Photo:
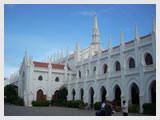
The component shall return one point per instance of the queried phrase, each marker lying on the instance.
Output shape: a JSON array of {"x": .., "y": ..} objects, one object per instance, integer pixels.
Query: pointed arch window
[
  {"x": 79, "y": 74},
  {"x": 94, "y": 70},
  {"x": 131, "y": 63},
  {"x": 57, "y": 79},
  {"x": 104, "y": 68},
  {"x": 40, "y": 78},
  {"x": 87, "y": 72},
  {"x": 118, "y": 67},
  {"x": 148, "y": 59}
]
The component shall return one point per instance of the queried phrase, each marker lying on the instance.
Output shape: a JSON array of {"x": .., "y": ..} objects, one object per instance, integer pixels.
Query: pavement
[{"x": 14, "y": 110}]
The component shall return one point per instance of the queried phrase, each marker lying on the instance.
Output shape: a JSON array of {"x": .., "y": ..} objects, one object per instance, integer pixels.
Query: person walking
[
  {"x": 125, "y": 108},
  {"x": 103, "y": 108}
]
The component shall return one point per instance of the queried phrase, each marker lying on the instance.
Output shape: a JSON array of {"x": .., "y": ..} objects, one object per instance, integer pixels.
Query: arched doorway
[
  {"x": 153, "y": 92},
  {"x": 73, "y": 94},
  {"x": 134, "y": 94},
  {"x": 81, "y": 94},
  {"x": 91, "y": 97},
  {"x": 118, "y": 94},
  {"x": 103, "y": 93},
  {"x": 55, "y": 96},
  {"x": 39, "y": 95}
]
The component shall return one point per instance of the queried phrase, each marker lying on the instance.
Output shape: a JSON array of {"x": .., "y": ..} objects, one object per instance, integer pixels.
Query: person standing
[{"x": 125, "y": 108}]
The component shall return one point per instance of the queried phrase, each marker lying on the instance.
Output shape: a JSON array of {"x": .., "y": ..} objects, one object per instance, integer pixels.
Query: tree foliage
[
  {"x": 10, "y": 93},
  {"x": 62, "y": 93}
]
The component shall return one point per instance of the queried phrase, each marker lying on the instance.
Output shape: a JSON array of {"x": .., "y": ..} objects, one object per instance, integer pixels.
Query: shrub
[
  {"x": 115, "y": 102},
  {"x": 118, "y": 108},
  {"x": 57, "y": 103},
  {"x": 40, "y": 103},
  {"x": 76, "y": 103},
  {"x": 132, "y": 108},
  {"x": 97, "y": 105},
  {"x": 19, "y": 101},
  {"x": 149, "y": 108},
  {"x": 69, "y": 103}
]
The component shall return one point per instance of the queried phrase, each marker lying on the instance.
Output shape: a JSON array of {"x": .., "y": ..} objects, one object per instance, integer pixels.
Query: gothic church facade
[{"x": 125, "y": 72}]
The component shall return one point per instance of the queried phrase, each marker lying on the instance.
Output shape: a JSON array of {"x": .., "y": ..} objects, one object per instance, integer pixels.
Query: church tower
[{"x": 95, "y": 36}]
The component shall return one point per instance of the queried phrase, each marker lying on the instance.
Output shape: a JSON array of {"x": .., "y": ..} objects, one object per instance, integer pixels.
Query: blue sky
[{"x": 45, "y": 29}]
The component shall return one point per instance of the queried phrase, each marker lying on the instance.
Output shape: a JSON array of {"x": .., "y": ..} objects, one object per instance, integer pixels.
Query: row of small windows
[
  {"x": 41, "y": 78},
  {"x": 148, "y": 61}
]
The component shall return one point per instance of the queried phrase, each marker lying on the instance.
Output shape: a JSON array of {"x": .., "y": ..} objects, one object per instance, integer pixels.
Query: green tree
[
  {"x": 10, "y": 93},
  {"x": 62, "y": 93}
]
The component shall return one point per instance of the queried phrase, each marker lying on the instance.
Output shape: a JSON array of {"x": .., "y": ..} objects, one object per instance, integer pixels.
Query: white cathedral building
[{"x": 125, "y": 72}]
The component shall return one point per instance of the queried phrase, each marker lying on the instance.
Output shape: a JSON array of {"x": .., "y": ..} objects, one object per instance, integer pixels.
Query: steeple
[
  {"x": 26, "y": 52},
  {"x": 95, "y": 35},
  {"x": 136, "y": 32},
  {"x": 25, "y": 57},
  {"x": 153, "y": 25}
]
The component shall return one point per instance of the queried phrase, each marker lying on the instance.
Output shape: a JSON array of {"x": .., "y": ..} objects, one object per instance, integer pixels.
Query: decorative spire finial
[
  {"x": 122, "y": 39},
  {"x": 95, "y": 35},
  {"x": 61, "y": 54},
  {"x": 136, "y": 32},
  {"x": 25, "y": 51},
  {"x": 109, "y": 44},
  {"x": 58, "y": 56},
  {"x": 68, "y": 52},
  {"x": 54, "y": 59},
  {"x": 153, "y": 25}
]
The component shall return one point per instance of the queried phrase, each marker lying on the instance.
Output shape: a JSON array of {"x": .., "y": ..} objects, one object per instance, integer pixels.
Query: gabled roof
[{"x": 45, "y": 65}]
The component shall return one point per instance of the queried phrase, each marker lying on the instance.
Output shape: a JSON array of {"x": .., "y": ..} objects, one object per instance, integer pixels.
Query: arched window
[
  {"x": 79, "y": 74},
  {"x": 148, "y": 59},
  {"x": 131, "y": 63},
  {"x": 94, "y": 70},
  {"x": 40, "y": 78},
  {"x": 57, "y": 79},
  {"x": 118, "y": 67},
  {"x": 104, "y": 68}
]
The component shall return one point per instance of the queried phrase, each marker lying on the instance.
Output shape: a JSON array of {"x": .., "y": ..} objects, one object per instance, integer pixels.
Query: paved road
[{"x": 13, "y": 110}]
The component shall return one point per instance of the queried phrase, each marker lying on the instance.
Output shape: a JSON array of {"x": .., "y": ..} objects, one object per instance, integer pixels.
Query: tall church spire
[{"x": 95, "y": 35}]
